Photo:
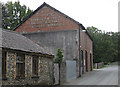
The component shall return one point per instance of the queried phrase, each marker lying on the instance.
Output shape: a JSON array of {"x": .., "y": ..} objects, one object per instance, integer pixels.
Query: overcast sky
[{"x": 102, "y": 14}]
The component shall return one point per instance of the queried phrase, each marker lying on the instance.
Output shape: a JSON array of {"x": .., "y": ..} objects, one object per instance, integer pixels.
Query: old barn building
[
  {"x": 54, "y": 29},
  {"x": 24, "y": 62}
]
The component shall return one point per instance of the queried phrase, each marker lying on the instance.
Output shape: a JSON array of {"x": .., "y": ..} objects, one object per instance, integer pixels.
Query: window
[
  {"x": 3, "y": 65},
  {"x": 20, "y": 66},
  {"x": 35, "y": 66},
  {"x": 82, "y": 64},
  {"x": 90, "y": 62},
  {"x": 86, "y": 61}
]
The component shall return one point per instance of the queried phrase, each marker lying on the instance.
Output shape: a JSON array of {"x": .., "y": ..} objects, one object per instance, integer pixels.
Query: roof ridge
[
  {"x": 10, "y": 31},
  {"x": 79, "y": 24},
  {"x": 39, "y": 9}
]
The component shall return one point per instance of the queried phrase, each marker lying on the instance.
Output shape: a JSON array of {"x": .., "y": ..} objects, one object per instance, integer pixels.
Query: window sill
[
  {"x": 18, "y": 77},
  {"x": 35, "y": 76},
  {"x": 4, "y": 78}
]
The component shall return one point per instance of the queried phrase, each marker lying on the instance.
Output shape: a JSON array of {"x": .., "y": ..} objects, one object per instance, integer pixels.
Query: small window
[
  {"x": 20, "y": 66},
  {"x": 35, "y": 66},
  {"x": 86, "y": 59},
  {"x": 90, "y": 62},
  {"x": 82, "y": 65},
  {"x": 4, "y": 65}
]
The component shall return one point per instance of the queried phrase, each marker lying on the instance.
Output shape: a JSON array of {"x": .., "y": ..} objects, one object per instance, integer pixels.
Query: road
[{"x": 104, "y": 76}]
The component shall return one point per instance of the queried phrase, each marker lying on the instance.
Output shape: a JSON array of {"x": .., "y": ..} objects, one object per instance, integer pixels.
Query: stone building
[
  {"x": 54, "y": 29},
  {"x": 24, "y": 62}
]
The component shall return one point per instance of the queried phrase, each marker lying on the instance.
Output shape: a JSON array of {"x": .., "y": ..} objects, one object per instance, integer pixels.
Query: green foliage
[
  {"x": 119, "y": 46},
  {"x": 105, "y": 45},
  {"x": 13, "y": 14},
  {"x": 59, "y": 57}
]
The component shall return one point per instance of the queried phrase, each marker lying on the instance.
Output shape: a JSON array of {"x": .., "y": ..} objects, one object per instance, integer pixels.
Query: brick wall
[
  {"x": 86, "y": 45},
  {"x": 46, "y": 19}
]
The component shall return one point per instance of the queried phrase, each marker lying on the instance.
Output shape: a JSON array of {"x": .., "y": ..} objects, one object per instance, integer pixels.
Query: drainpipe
[{"x": 79, "y": 52}]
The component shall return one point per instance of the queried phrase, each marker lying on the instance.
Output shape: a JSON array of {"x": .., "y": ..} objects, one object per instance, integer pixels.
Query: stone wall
[
  {"x": 45, "y": 71},
  {"x": 11, "y": 60},
  {"x": 98, "y": 65},
  {"x": 56, "y": 73}
]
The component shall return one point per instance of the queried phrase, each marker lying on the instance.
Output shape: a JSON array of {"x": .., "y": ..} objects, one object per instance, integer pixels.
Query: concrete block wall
[{"x": 67, "y": 40}]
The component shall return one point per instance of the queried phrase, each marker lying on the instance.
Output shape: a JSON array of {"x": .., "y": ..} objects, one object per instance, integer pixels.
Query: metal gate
[{"x": 70, "y": 70}]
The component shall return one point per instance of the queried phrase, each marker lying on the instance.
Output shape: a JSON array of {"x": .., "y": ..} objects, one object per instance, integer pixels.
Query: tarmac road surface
[{"x": 104, "y": 76}]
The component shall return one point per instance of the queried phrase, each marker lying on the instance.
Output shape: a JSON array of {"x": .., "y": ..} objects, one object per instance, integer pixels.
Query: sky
[{"x": 102, "y": 14}]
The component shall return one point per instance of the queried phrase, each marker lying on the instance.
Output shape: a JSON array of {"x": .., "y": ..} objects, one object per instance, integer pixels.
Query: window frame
[
  {"x": 35, "y": 64},
  {"x": 20, "y": 66},
  {"x": 86, "y": 61},
  {"x": 4, "y": 68}
]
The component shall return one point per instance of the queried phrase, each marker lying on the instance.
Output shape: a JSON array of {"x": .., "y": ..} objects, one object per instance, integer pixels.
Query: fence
[{"x": 98, "y": 65}]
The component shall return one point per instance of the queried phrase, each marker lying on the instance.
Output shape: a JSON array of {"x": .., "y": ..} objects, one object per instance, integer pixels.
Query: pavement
[{"x": 103, "y": 76}]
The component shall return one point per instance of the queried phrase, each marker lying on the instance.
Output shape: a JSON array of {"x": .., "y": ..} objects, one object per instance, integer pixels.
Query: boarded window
[
  {"x": 82, "y": 64},
  {"x": 90, "y": 62},
  {"x": 20, "y": 66},
  {"x": 4, "y": 65},
  {"x": 35, "y": 66},
  {"x": 86, "y": 61}
]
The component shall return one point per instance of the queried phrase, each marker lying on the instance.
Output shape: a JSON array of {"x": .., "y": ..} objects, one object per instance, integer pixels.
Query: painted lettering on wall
[{"x": 46, "y": 18}]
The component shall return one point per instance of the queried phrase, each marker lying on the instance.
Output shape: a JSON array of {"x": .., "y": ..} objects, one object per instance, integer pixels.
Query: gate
[{"x": 70, "y": 70}]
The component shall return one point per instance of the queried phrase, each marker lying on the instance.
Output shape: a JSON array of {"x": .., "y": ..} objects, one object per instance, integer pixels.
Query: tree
[
  {"x": 58, "y": 59},
  {"x": 13, "y": 14},
  {"x": 0, "y": 15},
  {"x": 105, "y": 45},
  {"x": 118, "y": 47}
]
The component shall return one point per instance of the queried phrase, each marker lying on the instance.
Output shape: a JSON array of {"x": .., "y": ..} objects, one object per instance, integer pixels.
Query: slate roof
[
  {"x": 45, "y": 4},
  {"x": 15, "y": 41}
]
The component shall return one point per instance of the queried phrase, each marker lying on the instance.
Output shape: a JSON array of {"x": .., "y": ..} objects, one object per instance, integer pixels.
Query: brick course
[{"x": 46, "y": 19}]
